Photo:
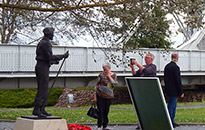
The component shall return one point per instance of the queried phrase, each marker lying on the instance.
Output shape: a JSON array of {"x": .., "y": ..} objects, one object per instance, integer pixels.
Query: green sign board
[{"x": 148, "y": 100}]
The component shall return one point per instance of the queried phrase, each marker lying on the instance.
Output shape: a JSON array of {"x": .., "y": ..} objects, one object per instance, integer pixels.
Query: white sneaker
[{"x": 98, "y": 129}]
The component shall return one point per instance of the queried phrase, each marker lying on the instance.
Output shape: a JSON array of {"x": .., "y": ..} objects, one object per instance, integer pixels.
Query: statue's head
[{"x": 48, "y": 32}]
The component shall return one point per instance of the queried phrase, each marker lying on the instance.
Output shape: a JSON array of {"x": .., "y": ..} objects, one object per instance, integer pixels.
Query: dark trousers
[
  {"x": 172, "y": 104},
  {"x": 103, "y": 105},
  {"x": 42, "y": 77}
]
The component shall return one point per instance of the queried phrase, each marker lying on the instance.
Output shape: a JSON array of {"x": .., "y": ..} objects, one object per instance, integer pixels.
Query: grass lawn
[
  {"x": 78, "y": 115},
  {"x": 178, "y": 104},
  {"x": 193, "y": 115},
  {"x": 75, "y": 115}
]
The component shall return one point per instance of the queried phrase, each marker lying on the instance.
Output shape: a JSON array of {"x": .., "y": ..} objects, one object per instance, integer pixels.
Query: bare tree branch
[{"x": 66, "y": 8}]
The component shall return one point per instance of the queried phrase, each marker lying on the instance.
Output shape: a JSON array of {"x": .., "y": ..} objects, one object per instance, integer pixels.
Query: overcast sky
[{"x": 87, "y": 41}]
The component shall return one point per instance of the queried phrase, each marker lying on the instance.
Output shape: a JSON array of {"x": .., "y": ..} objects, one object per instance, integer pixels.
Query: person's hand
[
  {"x": 95, "y": 98},
  {"x": 134, "y": 62},
  {"x": 66, "y": 54},
  {"x": 182, "y": 95},
  {"x": 108, "y": 74},
  {"x": 131, "y": 65}
]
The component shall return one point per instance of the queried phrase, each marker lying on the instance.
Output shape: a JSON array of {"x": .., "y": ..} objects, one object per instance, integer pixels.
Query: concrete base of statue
[{"x": 40, "y": 124}]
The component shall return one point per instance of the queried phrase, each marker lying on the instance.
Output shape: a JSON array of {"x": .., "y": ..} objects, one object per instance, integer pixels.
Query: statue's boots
[
  {"x": 37, "y": 112},
  {"x": 42, "y": 109}
]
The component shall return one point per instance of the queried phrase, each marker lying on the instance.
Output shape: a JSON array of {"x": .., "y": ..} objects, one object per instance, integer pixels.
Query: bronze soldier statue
[{"x": 45, "y": 59}]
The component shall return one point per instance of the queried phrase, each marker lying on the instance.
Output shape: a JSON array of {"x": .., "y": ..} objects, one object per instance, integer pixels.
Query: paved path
[
  {"x": 190, "y": 106},
  {"x": 10, "y": 125},
  {"x": 132, "y": 127},
  {"x": 6, "y": 125}
]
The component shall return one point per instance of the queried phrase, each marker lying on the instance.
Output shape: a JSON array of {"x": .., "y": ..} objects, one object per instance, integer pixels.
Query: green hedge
[{"x": 24, "y": 98}]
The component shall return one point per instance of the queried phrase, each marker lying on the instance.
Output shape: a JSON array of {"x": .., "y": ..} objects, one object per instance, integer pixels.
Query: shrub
[
  {"x": 54, "y": 95},
  {"x": 24, "y": 98}
]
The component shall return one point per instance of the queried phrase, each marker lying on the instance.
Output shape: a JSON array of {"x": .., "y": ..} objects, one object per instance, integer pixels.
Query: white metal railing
[{"x": 21, "y": 58}]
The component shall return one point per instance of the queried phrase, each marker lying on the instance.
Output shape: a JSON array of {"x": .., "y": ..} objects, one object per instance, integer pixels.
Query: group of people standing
[
  {"x": 106, "y": 82},
  {"x": 172, "y": 79}
]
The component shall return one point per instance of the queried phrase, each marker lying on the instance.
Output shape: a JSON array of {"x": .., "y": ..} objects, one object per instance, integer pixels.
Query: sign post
[{"x": 148, "y": 99}]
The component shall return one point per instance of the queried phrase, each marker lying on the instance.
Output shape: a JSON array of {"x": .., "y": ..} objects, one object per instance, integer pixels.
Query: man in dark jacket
[
  {"x": 173, "y": 88},
  {"x": 45, "y": 59}
]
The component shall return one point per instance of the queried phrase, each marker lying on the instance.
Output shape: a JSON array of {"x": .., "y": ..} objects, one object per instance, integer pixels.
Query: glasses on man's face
[{"x": 148, "y": 57}]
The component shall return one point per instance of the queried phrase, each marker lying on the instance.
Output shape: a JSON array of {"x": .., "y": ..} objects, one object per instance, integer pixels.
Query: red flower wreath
[{"x": 78, "y": 127}]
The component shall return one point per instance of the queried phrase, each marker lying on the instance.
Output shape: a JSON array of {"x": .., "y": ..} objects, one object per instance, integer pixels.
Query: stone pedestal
[{"x": 42, "y": 124}]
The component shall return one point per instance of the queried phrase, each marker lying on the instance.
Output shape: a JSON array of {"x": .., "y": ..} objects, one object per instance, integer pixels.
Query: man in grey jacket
[{"x": 148, "y": 70}]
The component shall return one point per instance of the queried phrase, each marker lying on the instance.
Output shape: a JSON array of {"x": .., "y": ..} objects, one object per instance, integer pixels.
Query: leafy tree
[
  {"x": 112, "y": 23},
  {"x": 151, "y": 32}
]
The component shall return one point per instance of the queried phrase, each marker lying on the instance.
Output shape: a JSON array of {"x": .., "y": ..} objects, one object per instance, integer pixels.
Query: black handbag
[{"x": 93, "y": 112}]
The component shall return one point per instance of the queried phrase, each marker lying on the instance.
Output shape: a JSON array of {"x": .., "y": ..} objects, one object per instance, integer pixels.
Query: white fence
[{"x": 15, "y": 58}]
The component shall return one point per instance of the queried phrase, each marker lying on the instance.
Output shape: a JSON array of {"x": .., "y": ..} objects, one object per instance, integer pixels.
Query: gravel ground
[{"x": 4, "y": 125}]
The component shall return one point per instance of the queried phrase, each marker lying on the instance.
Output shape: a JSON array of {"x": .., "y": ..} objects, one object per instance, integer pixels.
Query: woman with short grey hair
[
  {"x": 107, "y": 65},
  {"x": 106, "y": 82}
]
